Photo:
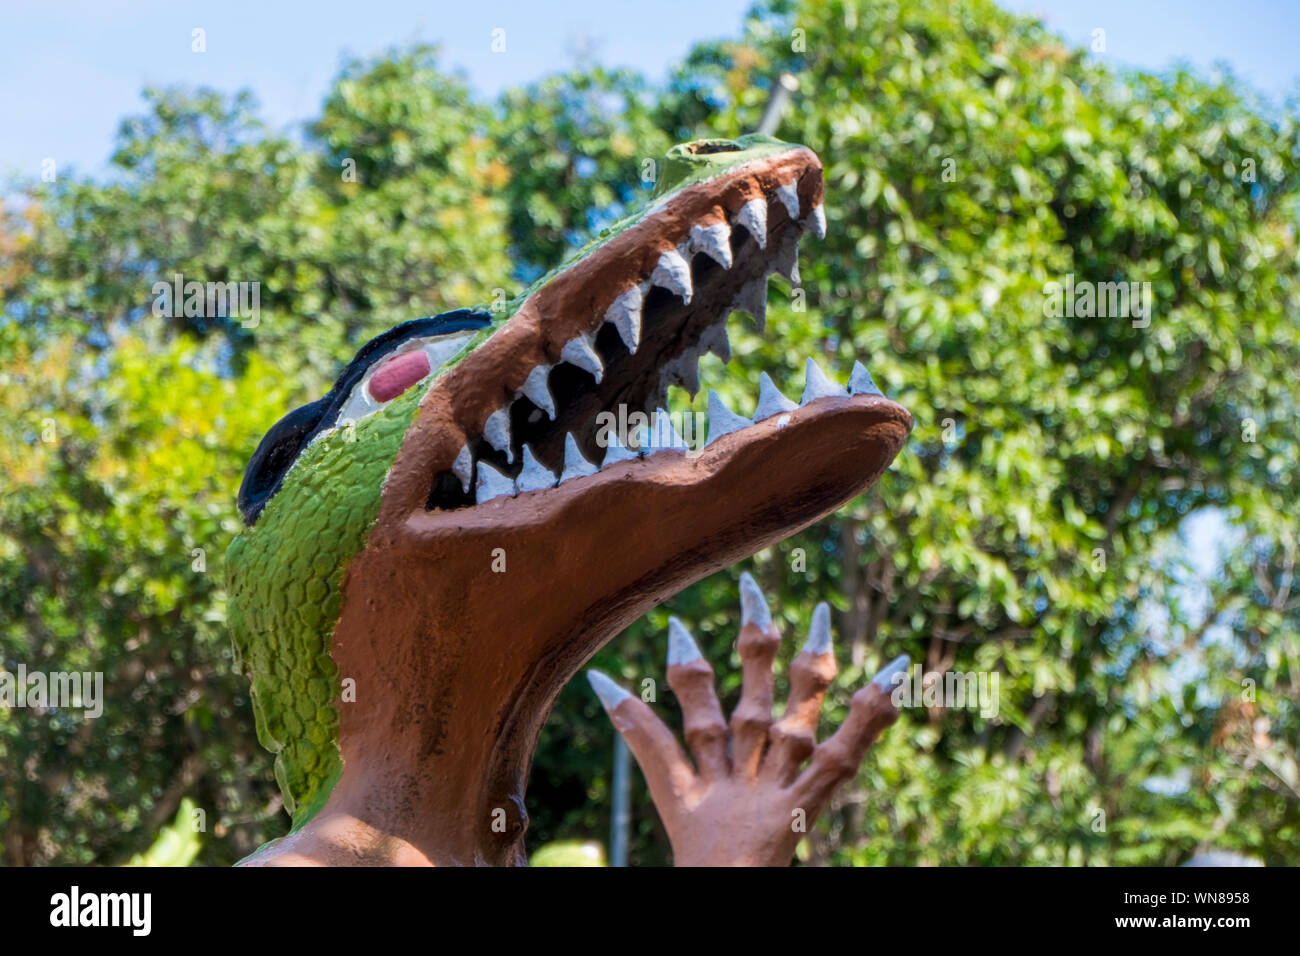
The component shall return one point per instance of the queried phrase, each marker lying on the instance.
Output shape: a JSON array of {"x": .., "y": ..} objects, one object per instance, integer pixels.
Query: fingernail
[
  {"x": 885, "y": 679},
  {"x": 682, "y": 648},
  {"x": 819, "y": 635},
  {"x": 610, "y": 694},
  {"x": 753, "y": 606}
]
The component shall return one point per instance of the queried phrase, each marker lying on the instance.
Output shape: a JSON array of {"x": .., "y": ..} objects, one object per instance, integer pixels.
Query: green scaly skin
[{"x": 285, "y": 584}]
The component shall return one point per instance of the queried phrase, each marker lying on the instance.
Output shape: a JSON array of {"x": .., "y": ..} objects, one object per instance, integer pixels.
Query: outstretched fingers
[
  {"x": 691, "y": 678},
  {"x": 757, "y": 646},
  {"x": 794, "y": 736},
  {"x": 839, "y": 757},
  {"x": 657, "y": 752}
]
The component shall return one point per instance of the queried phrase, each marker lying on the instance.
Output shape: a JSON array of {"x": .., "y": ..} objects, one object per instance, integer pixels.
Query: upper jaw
[{"x": 613, "y": 329}]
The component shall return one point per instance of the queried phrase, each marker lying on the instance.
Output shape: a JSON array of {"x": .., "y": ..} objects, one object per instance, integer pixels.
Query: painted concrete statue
[{"x": 402, "y": 677}]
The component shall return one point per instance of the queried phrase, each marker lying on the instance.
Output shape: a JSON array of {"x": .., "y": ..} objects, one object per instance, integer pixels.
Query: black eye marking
[
  {"x": 275, "y": 453},
  {"x": 286, "y": 439}
]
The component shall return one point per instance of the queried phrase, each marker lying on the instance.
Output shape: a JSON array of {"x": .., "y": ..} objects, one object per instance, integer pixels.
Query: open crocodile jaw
[{"x": 469, "y": 657}]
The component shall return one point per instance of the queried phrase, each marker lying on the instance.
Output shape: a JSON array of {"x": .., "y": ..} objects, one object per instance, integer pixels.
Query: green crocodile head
[{"x": 534, "y": 426}]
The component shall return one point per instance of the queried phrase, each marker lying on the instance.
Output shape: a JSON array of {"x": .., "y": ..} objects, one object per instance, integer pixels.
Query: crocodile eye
[
  {"x": 275, "y": 454},
  {"x": 397, "y": 375},
  {"x": 705, "y": 147},
  {"x": 390, "y": 375}
]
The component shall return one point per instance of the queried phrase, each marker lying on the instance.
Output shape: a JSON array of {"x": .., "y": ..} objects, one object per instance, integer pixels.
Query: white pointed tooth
[
  {"x": 575, "y": 466},
  {"x": 819, "y": 635},
  {"x": 817, "y": 385},
  {"x": 786, "y": 262},
  {"x": 663, "y": 434},
  {"x": 580, "y": 353},
  {"x": 684, "y": 371},
  {"x": 673, "y": 273},
  {"x": 537, "y": 391},
  {"x": 658, "y": 397},
  {"x": 753, "y": 605},
  {"x": 714, "y": 241},
  {"x": 861, "y": 382},
  {"x": 682, "y": 648},
  {"x": 463, "y": 468},
  {"x": 689, "y": 373},
  {"x": 535, "y": 476},
  {"x": 753, "y": 216},
  {"x": 715, "y": 340},
  {"x": 752, "y": 298},
  {"x": 771, "y": 400},
  {"x": 887, "y": 679},
  {"x": 625, "y": 313},
  {"x": 616, "y": 451},
  {"x": 492, "y": 484},
  {"x": 497, "y": 432},
  {"x": 608, "y": 692},
  {"x": 817, "y": 221},
  {"x": 789, "y": 196},
  {"x": 722, "y": 420}
]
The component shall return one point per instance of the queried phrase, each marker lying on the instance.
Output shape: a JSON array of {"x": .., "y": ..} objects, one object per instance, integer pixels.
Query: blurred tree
[
  {"x": 106, "y": 566},
  {"x": 581, "y": 149},
  {"x": 124, "y": 434},
  {"x": 178, "y": 843},
  {"x": 416, "y": 221}
]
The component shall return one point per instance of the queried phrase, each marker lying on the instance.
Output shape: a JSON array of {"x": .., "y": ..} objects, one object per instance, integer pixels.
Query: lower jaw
[{"x": 479, "y": 658}]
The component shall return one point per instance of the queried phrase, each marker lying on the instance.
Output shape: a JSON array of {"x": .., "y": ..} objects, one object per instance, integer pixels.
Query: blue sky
[{"x": 70, "y": 70}]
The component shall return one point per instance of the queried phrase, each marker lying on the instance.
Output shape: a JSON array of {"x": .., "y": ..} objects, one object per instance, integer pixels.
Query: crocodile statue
[{"x": 436, "y": 546}]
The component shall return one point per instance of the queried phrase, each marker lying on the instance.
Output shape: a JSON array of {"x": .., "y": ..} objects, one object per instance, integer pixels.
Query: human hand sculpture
[{"x": 749, "y": 799}]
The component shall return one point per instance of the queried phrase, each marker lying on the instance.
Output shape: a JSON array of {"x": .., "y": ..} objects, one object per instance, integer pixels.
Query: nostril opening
[{"x": 706, "y": 146}]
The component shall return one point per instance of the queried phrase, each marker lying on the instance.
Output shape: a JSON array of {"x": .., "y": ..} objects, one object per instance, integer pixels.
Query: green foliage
[
  {"x": 1035, "y": 526},
  {"x": 105, "y": 565},
  {"x": 177, "y": 845},
  {"x": 569, "y": 853},
  {"x": 575, "y": 145}
]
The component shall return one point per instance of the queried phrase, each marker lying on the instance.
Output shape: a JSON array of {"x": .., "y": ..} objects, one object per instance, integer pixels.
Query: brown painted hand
[{"x": 748, "y": 804}]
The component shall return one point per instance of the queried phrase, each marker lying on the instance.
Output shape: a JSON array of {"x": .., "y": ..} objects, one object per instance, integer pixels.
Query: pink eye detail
[{"x": 397, "y": 375}]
